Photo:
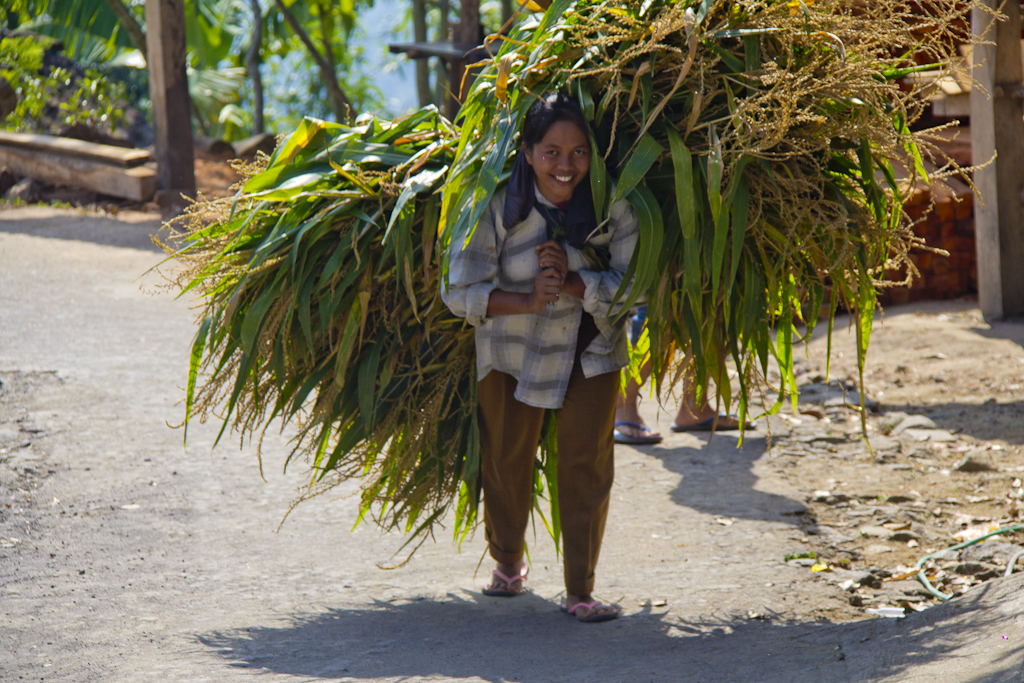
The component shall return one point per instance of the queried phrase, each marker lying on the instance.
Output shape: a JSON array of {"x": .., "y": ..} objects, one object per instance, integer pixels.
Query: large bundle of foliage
[
  {"x": 321, "y": 307},
  {"x": 755, "y": 140}
]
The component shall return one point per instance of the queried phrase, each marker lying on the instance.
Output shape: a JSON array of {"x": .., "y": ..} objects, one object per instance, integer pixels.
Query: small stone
[
  {"x": 975, "y": 461},
  {"x": 881, "y": 443},
  {"x": 905, "y": 537},
  {"x": 889, "y": 421},
  {"x": 25, "y": 190},
  {"x": 930, "y": 435},
  {"x": 913, "y": 422},
  {"x": 990, "y": 551},
  {"x": 979, "y": 570},
  {"x": 946, "y": 554},
  {"x": 857, "y": 600},
  {"x": 875, "y": 532},
  {"x": 901, "y": 498},
  {"x": 877, "y": 549}
]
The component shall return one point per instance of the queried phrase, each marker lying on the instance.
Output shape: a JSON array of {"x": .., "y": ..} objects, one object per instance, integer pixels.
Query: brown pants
[{"x": 509, "y": 436}]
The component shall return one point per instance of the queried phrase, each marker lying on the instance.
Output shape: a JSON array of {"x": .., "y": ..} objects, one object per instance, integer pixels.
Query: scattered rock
[
  {"x": 826, "y": 438},
  {"x": 877, "y": 549},
  {"x": 889, "y": 421},
  {"x": 933, "y": 435},
  {"x": 946, "y": 554},
  {"x": 904, "y": 536},
  {"x": 908, "y": 587},
  {"x": 901, "y": 498},
  {"x": 829, "y": 498},
  {"x": 875, "y": 532},
  {"x": 25, "y": 190},
  {"x": 881, "y": 443},
  {"x": 913, "y": 422},
  {"x": 976, "y": 461},
  {"x": 979, "y": 570},
  {"x": 802, "y": 562},
  {"x": 990, "y": 551}
]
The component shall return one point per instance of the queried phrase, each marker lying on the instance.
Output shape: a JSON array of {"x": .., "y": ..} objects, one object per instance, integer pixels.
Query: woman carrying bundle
[{"x": 537, "y": 279}]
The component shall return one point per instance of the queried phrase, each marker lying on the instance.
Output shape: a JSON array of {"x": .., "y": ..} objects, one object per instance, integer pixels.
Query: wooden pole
[
  {"x": 466, "y": 33},
  {"x": 168, "y": 89},
  {"x": 419, "y": 31},
  {"x": 997, "y": 130}
]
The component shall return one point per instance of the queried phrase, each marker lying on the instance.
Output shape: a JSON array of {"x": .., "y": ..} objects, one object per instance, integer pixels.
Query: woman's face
[{"x": 560, "y": 161}]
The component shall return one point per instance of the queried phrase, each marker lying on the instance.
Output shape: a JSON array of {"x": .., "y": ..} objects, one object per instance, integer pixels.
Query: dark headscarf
[{"x": 578, "y": 221}]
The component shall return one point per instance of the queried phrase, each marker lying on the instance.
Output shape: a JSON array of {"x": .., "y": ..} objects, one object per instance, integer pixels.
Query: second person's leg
[
  {"x": 586, "y": 470},
  {"x": 509, "y": 434}
]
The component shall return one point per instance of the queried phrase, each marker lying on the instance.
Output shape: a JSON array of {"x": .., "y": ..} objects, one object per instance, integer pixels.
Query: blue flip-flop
[{"x": 636, "y": 440}]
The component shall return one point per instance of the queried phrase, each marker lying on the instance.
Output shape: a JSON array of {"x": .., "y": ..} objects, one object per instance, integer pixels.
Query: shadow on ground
[
  {"x": 529, "y": 640},
  {"x": 718, "y": 479},
  {"x": 988, "y": 421},
  {"x": 80, "y": 226}
]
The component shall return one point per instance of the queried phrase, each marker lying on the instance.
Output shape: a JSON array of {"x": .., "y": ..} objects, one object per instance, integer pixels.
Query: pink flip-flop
[
  {"x": 508, "y": 591},
  {"x": 596, "y": 616}
]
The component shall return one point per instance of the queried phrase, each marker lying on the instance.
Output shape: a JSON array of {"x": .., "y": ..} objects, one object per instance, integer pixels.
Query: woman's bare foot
[
  {"x": 585, "y": 608},
  {"x": 690, "y": 417}
]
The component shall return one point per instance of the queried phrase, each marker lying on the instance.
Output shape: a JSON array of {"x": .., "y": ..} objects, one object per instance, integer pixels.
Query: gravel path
[{"x": 125, "y": 557}]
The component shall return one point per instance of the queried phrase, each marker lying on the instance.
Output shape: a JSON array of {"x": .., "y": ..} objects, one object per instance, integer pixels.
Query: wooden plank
[
  {"x": 108, "y": 154},
  {"x": 445, "y": 49},
  {"x": 137, "y": 183},
  {"x": 997, "y": 134},
  {"x": 168, "y": 92}
]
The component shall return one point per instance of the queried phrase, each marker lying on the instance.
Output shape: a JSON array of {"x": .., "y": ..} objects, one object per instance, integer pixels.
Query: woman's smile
[{"x": 560, "y": 161}]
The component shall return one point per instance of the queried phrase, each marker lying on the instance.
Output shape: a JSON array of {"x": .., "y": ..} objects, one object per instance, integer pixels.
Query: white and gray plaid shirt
[{"x": 538, "y": 349}]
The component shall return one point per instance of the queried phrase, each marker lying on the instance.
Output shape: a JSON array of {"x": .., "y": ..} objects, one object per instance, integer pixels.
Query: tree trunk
[
  {"x": 130, "y": 24},
  {"x": 340, "y": 104},
  {"x": 252, "y": 63},
  {"x": 419, "y": 31},
  {"x": 443, "y": 29}
]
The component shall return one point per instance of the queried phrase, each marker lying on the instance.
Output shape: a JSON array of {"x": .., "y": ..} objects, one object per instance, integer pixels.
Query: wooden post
[
  {"x": 168, "y": 88},
  {"x": 997, "y": 129}
]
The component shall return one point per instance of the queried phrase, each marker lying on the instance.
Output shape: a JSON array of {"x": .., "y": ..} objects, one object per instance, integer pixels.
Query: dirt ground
[{"x": 126, "y": 557}]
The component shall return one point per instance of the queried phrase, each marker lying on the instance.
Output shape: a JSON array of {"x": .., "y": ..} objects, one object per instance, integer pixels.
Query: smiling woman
[{"x": 537, "y": 349}]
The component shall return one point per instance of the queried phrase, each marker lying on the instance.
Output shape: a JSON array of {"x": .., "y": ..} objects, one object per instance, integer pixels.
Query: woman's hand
[
  {"x": 551, "y": 254},
  {"x": 547, "y": 285}
]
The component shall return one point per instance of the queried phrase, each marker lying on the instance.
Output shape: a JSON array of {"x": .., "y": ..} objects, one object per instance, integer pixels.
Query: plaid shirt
[{"x": 538, "y": 349}]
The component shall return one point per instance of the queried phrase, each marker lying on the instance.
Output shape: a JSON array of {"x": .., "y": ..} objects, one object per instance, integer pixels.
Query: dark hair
[{"x": 551, "y": 108}]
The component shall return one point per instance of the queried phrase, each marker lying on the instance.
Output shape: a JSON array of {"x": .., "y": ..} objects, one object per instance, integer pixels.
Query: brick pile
[{"x": 946, "y": 225}]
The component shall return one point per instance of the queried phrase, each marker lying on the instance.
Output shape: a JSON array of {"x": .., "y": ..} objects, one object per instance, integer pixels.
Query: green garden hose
[{"x": 924, "y": 579}]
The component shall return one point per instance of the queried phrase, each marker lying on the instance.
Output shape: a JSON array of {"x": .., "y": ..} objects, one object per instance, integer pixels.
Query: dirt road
[{"x": 125, "y": 557}]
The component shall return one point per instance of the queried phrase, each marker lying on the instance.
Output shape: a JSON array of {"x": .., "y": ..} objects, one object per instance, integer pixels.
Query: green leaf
[
  {"x": 683, "y": 167},
  {"x": 598, "y": 181},
  {"x": 636, "y": 166},
  {"x": 195, "y": 359},
  {"x": 367, "y": 384},
  {"x": 715, "y": 163}
]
